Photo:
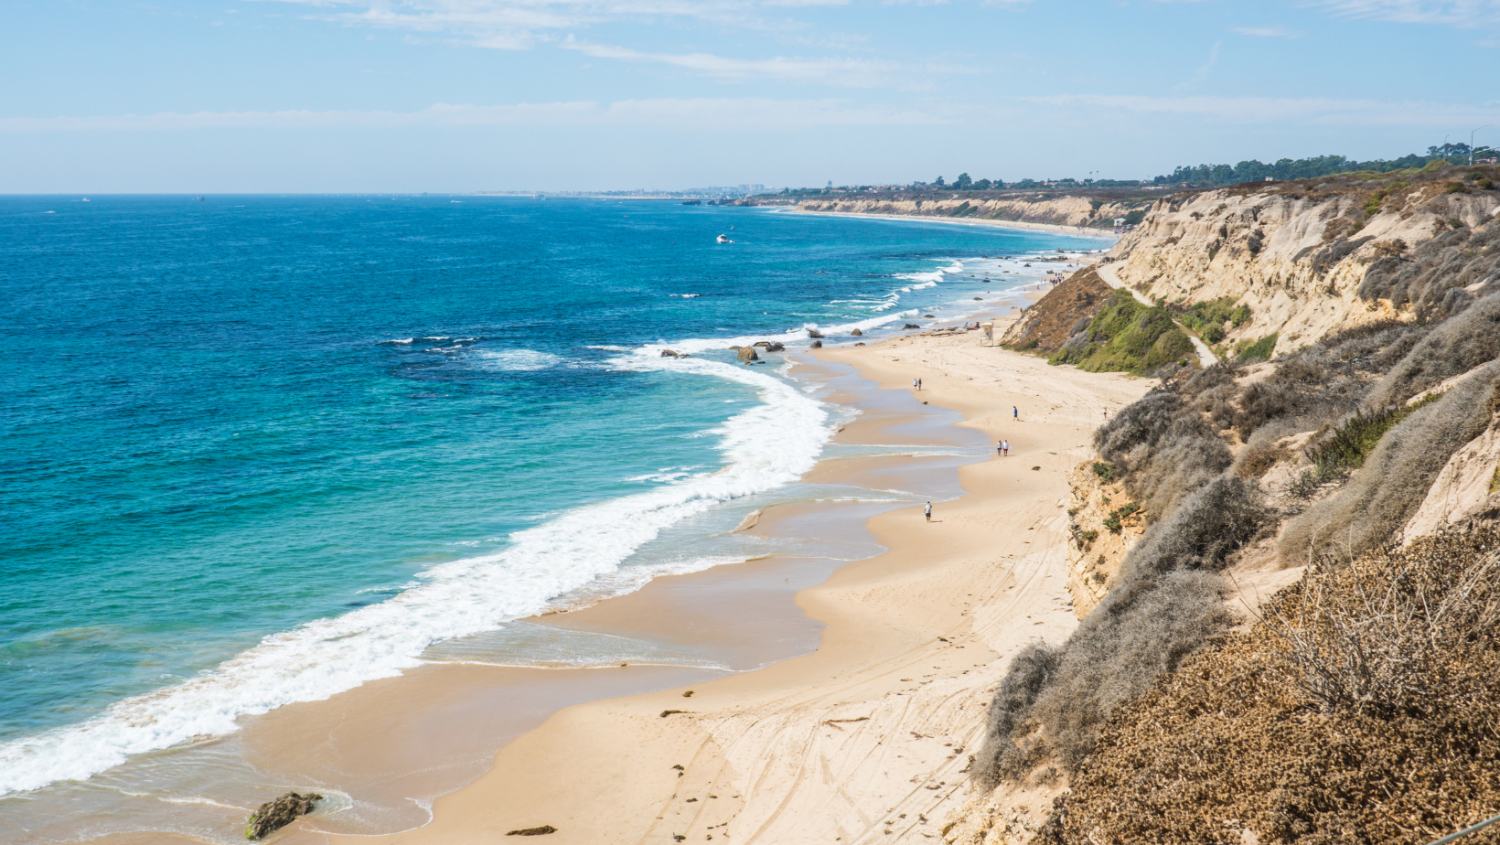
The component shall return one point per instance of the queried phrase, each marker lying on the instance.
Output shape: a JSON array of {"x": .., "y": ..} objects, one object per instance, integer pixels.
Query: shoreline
[
  {"x": 355, "y": 740},
  {"x": 1055, "y": 228},
  {"x": 602, "y": 771}
]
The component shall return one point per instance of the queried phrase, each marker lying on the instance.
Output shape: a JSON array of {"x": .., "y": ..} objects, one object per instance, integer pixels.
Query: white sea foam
[
  {"x": 764, "y": 447},
  {"x": 398, "y": 341},
  {"x": 517, "y": 360}
]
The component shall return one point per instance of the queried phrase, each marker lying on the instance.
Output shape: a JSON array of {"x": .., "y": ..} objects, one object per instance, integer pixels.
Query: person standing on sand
[
  {"x": 929, "y": 511},
  {"x": 1015, "y": 413},
  {"x": 1005, "y": 448},
  {"x": 999, "y": 448}
]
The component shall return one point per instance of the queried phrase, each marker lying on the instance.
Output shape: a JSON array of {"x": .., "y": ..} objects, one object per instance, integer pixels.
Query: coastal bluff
[
  {"x": 1314, "y": 257},
  {"x": 1078, "y": 210}
]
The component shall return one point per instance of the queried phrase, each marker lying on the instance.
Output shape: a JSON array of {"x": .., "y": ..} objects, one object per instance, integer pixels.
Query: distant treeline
[
  {"x": 1312, "y": 168},
  {"x": 1203, "y": 175}
]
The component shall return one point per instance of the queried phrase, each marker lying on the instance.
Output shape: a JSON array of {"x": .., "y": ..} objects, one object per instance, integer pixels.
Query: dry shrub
[
  {"x": 1141, "y": 630},
  {"x": 1322, "y": 382},
  {"x": 1163, "y": 448},
  {"x": 1379, "y": 634},
  {"x": 1053, "y": 702},
  {"x": 1212, "y": 524},
  {"x": 1457, "y": 346},
  {"x": 1396, "y": 476},
  {"x": 1258, "y": 459},
  {"x": 998, "y": 757},
  {"x": 1227, "y": 745}
]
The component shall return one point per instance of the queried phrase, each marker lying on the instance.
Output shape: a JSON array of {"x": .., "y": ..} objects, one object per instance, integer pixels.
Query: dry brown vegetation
[
  {"x": 1046, "y": 325},
  {"x": 1173, "y": 452},
  {"x": 1456, "y": 346},
  {"x": 1363, "y": 709}
]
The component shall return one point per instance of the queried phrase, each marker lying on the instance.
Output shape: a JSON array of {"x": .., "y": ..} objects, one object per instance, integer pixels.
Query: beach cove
[
  {"x": 868, "y": 735},
  {"x": 383, "y": 749}
]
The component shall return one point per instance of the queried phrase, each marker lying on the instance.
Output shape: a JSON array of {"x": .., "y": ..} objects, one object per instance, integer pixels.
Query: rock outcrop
[
  {"x": 274, "y": 815},
  {"x": 1467, "y": 485},
  {"x": 1313, "y": 257},
  {"x": 1103, "y": 525},
  {"x": 747, "y": 354}
]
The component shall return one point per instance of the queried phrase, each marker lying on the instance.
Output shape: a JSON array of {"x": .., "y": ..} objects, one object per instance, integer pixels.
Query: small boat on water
[{"x": 724, "y": 239}]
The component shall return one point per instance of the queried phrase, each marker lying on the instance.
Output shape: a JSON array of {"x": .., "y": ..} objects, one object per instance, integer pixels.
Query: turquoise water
[{"x": 259, "y": 450}]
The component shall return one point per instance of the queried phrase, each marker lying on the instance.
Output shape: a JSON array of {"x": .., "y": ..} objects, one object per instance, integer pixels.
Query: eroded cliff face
[
  {"x": 1311, "y": 258},
  {"x": 1058, "y": 211},
  {"x": 1104, "y": 523}
]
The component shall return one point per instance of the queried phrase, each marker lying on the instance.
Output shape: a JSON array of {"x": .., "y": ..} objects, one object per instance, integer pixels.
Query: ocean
[{"x": 260, "y": 450}]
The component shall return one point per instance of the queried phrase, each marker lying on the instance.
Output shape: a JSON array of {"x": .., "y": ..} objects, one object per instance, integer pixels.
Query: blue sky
[{"x": 458, "y": 95}]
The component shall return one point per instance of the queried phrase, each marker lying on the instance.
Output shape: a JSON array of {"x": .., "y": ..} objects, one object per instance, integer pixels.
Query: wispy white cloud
[
  {"x": 1203, "y": 70},
  {"x": 1304, "y": 111},
  {"x": 852, "y": 73},
  {"x": 518, "y": 24},
  {"x": 738, "y": 114},
  {"x": 1467, "y": 14},
  {"x": 1268, "y": 32}
]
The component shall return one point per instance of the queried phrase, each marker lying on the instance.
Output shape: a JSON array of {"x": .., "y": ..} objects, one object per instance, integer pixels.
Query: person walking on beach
[
  {"x": 1015, "y": 413},
  {"x": 929, "y": 511},
  {"x": 1005, "y": 448},
  {"x": 999, "y": 448}
]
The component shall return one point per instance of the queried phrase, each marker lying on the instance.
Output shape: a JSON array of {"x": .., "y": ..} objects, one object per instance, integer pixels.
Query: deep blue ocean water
[{"x": 260, "y": 449}]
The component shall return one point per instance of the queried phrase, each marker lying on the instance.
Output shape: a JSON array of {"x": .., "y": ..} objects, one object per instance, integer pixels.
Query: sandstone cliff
[
  {"x": 1068, "y": 210},
  {"x": 1316, "y": 256}
]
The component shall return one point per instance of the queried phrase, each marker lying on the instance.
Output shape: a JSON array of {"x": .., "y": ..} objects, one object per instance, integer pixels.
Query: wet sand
[
  {"x": 870, "y": 732},
  {"x": 588, "y": 751}
]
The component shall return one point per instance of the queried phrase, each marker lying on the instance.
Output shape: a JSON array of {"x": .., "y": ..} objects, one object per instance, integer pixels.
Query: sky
[{"x": 356, "y": 96}]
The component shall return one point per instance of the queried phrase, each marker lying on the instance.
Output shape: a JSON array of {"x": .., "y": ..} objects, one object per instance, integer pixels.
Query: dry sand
[
  {"x": 1003, "y": 224},
  {"x": 866, "y": 739}
]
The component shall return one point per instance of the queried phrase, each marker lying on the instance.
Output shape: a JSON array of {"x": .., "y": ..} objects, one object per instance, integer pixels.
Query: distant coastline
[{"x": 1001, "y": 224}]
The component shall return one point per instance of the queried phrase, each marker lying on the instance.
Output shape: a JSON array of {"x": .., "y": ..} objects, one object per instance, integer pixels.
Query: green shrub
[
  {"x": 1105, "y": 472},
  {"x": 1260, "y": 350},
  {"x": 1126, "y": 336},
  {"x": 1114, "y": 522},
  {"x": 1346, "y": 448}
]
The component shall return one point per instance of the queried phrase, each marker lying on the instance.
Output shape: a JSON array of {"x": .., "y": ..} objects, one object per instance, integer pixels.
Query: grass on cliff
[
  {"x": 1346, "y": 447},
  {"x": 1209, "y": 318},
  {"x": 1360, "y": 710},
  {"x": 1126, "y": 336},
  {"x": 1397, "y": 475}
]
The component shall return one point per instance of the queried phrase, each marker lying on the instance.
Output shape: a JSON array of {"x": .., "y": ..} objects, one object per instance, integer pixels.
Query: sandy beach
[
  {"x": 867, "y": 738},
  {"x": 1003, "y": 224}
]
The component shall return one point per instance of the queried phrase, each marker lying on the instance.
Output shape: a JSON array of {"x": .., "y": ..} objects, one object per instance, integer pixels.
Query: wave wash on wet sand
[{"x": 871, "y": 733}]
